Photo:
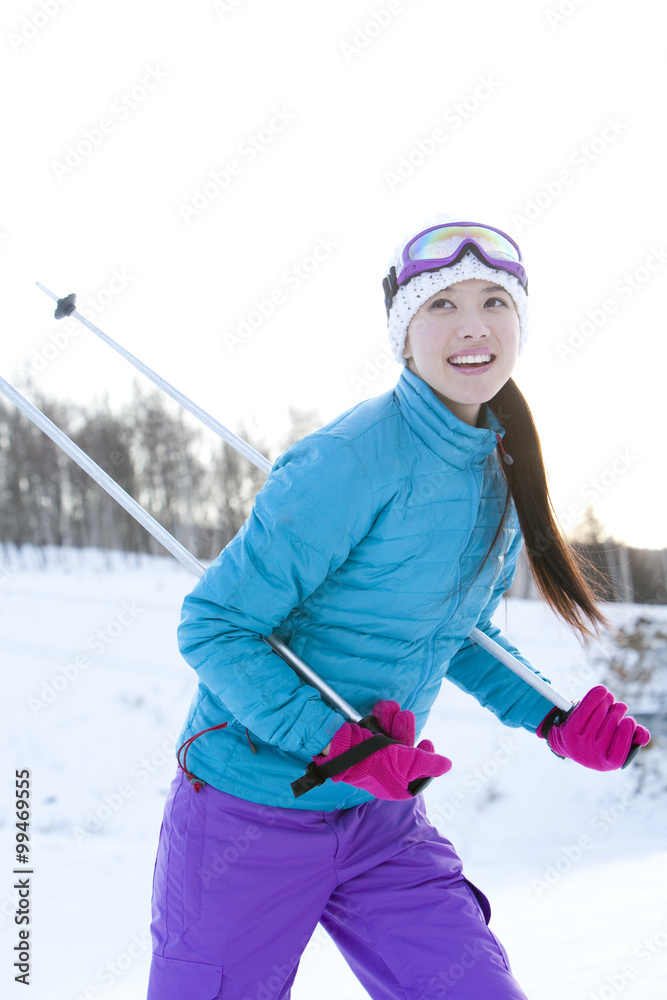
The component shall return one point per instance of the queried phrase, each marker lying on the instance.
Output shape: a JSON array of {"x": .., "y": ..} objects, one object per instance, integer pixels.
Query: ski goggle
[{"x": 441, "y": 246}]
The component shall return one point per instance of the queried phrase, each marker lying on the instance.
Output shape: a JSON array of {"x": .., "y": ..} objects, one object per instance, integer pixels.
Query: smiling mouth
[{"x": 471, "y": 362}]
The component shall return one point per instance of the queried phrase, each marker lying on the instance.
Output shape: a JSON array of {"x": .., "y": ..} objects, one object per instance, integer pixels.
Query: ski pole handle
[
  {"x": 632, "y": 753},
  {"x": 418, "y": 785}
]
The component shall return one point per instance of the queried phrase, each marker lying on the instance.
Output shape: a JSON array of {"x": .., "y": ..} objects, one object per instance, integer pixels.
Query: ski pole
[{"x": 67, "y": 307}]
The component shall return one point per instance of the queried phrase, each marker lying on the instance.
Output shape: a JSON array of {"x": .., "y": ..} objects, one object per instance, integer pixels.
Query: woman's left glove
[{"x": 597, "y": 733}]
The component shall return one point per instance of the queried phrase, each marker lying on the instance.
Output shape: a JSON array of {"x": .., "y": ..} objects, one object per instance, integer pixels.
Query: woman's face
[{"x": 472, "y": 319}]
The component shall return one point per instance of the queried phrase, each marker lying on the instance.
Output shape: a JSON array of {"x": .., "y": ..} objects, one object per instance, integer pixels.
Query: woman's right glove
[{"x": 387, "y": 772}]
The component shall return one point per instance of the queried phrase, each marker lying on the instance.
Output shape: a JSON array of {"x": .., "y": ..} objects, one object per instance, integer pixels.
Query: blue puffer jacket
[{"x": 361, "y": 553}]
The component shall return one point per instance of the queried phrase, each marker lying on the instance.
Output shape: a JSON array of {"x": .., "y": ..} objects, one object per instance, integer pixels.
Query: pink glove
[
  {"x": 596, "y": 733},
  {"x": 387, "y": 772}
]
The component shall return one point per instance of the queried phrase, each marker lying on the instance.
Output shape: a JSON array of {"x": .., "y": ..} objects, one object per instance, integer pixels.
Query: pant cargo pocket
[
  {"x": 484, "y": 904},
  {"x": 171, "y": 979}
]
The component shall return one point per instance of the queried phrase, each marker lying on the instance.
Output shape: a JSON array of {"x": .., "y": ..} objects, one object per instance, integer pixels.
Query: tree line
[
  {"x": 198, "y": 488},
  {"x": 617, "y": 571}
]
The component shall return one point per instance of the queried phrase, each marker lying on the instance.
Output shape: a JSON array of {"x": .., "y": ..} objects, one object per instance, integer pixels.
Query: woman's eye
[
  {"x": 440, "y": 303},
  {"x": 496, "y": 301}
]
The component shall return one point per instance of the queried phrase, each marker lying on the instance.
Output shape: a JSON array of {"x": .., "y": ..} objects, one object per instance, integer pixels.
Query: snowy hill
[{"x": 95, "y": 693}]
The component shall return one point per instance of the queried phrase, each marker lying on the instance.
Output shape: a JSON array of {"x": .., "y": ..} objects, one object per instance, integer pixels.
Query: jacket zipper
[{"x": 427, "y": 668}]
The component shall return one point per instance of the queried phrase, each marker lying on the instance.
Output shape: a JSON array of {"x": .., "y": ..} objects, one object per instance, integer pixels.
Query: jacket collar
[{"x": 450, "y": 438}]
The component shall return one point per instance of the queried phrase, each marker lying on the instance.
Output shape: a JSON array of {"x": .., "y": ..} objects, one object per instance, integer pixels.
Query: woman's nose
[{"x": 472, "y": 326}]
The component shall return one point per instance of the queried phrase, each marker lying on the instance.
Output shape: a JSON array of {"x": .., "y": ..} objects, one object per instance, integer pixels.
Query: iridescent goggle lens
[{"x": 436, "y": 244}]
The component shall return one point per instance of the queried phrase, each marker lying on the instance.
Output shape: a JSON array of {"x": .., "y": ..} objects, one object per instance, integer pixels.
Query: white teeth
[{"x": 471, "y": 359}]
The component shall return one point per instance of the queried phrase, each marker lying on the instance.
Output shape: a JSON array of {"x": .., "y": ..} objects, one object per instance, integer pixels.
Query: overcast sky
[{"x": 223, "y": 185}]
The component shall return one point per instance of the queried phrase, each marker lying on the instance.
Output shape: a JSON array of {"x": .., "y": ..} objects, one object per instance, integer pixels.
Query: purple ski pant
[{"x": 239, "y": 889}]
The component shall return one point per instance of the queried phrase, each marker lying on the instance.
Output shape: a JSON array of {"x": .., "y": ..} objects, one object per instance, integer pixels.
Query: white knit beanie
[{"x": 412, "y": 295}]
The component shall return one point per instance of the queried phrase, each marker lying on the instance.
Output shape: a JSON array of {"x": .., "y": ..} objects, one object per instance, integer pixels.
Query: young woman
[{"x": 375, "y": 547}]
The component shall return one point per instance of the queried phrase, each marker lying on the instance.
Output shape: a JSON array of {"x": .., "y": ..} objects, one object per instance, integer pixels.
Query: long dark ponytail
[{"x": 563, "y": 577}]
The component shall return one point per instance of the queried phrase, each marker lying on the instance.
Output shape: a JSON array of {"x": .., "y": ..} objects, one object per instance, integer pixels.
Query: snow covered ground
[{"x": 94, "y": 695}]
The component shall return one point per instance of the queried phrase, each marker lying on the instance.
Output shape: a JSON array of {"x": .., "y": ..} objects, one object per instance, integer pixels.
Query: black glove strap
[
  {"x": 551, "y": 720},
  {"x": 556, "y": 717},
  {"x": 317, "y": 774}
]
